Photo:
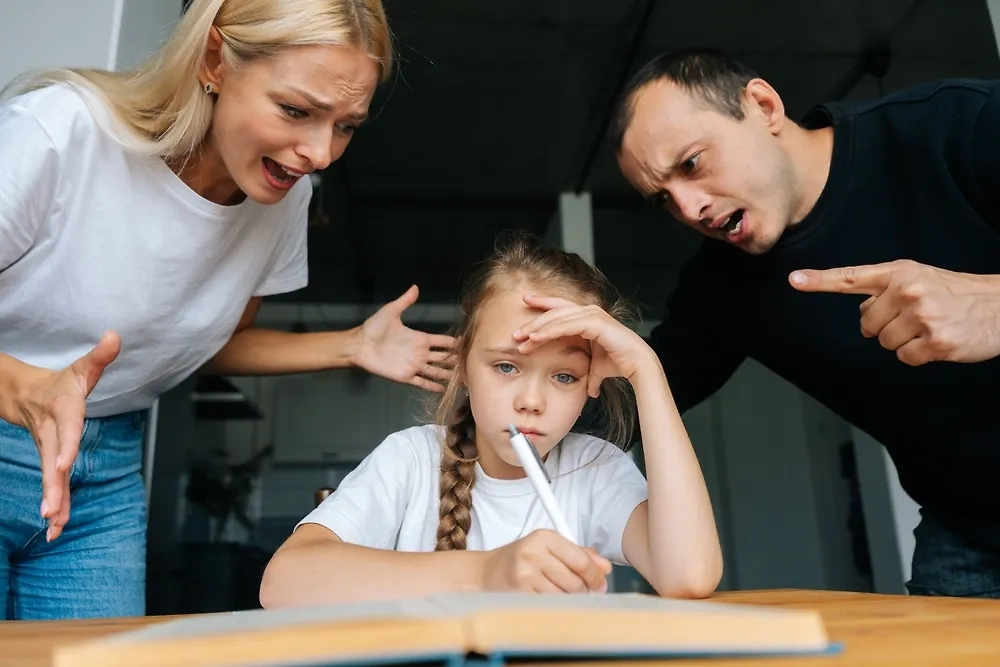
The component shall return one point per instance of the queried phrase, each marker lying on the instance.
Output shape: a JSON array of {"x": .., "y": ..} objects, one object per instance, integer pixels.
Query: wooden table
[{"x": 874, "y": 629}]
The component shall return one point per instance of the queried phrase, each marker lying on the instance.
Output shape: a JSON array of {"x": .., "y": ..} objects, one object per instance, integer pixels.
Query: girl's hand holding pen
[{"x": 544, "y": 562}]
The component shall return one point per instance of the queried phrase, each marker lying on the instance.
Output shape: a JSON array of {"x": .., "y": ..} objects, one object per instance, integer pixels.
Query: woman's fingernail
[
  {"x": 58, "y": 461},
  {"x": 517, "y": 332},
  {"x": 798, "y": 278},
  {"x": 45, "y": 508}
]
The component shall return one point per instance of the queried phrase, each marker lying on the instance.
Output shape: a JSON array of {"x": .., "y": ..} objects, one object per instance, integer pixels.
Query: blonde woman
[{"x": 143, "y": 215}]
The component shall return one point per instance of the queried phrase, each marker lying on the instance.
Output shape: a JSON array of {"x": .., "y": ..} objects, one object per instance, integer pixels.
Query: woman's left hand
[
  {"x": 389, "y": 348},
  {"x": 616, "y": 350}
]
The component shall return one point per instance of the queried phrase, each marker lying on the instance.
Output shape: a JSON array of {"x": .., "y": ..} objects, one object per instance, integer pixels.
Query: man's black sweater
[{"x": 915, "y": 175}]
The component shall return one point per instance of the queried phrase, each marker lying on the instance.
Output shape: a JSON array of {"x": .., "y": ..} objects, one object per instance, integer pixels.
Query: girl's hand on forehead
[{"x": 616, "y": 350}]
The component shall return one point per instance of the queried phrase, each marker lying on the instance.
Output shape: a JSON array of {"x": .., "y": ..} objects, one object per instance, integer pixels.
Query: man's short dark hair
[{"x": 710, "y": 76}]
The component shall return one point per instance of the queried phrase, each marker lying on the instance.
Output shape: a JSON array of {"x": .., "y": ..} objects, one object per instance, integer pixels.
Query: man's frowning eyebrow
[{"x": 660, "y": 195}]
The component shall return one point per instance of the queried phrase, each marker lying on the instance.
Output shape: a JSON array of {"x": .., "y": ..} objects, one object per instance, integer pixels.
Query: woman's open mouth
[{"x": 279, "y": 176}]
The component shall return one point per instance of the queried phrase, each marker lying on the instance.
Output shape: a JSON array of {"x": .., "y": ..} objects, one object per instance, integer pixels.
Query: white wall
[
  {"x": 145, "y": 26},
  {"x": 109, "y": 34},
  {"x": 50, "y": 33},
  {"x": 906, "y": 514},
  {"x": 993, "y": 6},
  {"x": 321, "y": 425},
  {"x": 890, "y": 513},
  {"x": 780, "y": 485}
]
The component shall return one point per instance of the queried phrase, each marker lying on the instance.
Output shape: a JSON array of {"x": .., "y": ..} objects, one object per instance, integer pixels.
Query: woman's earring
[{"x": 208, "y": 88}]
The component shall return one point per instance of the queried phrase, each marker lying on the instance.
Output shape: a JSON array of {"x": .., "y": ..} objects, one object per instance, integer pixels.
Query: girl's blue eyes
[{"x": 505, "y": 368}]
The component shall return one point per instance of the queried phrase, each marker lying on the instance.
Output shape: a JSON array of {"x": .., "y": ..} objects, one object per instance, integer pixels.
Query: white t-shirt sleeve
[
  {"x": 290, "y": 270},
  {"x": 368, "y": 506},
  {"x": 29, "y": 174},
  {"x": 618, "y": 488}
]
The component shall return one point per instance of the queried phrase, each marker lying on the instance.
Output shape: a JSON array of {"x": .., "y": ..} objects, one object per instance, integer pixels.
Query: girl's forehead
[{"x": 502, "y": 315}]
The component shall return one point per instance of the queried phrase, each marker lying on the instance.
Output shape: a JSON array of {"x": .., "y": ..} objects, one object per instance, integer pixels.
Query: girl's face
[
  {"x": 541, "y": 393},
  {"x": 278, "y": 119}
]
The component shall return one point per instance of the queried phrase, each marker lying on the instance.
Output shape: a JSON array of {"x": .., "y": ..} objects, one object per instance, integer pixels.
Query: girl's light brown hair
[{"x": 518, "y": 262}]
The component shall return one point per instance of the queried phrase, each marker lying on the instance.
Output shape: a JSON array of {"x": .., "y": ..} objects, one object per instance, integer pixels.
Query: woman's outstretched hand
[
  {"x": 52, "y": 406},
  {"x": 389, "y": 348}
]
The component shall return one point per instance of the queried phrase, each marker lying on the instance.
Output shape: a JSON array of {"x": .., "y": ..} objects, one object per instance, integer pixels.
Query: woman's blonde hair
[
  {"x": 518, "y": 261},
  {"x": 161, "y": 109}
]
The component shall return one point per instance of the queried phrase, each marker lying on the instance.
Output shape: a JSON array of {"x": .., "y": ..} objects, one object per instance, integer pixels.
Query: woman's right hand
[
  {"x": 52, "y": 406},
  {"x": 545, "y": 562}
]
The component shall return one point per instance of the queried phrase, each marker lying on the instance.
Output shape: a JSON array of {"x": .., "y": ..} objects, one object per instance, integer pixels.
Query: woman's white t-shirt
[
  {"x": 391, "y": 500},
  {"x": 94, "y": 238}
]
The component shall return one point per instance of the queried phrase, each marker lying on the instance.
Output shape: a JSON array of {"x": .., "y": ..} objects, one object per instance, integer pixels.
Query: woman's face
[{"x": 277, "y": 119}]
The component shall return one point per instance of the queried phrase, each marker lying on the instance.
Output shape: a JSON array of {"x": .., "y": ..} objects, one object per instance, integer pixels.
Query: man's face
[{"x": 731, "y": 180}]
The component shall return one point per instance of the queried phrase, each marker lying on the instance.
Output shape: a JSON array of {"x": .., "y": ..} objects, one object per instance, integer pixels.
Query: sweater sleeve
[
  {"x": 984, "y": 144},
  {"x": 696, "y": 347}
]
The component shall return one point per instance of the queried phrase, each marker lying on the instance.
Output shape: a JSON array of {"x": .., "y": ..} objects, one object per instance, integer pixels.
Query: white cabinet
[{"x": 339, "y": 416}]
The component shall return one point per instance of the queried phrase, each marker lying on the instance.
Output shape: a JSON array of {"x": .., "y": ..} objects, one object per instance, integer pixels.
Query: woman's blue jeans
[{"x": 97, "y": 566}]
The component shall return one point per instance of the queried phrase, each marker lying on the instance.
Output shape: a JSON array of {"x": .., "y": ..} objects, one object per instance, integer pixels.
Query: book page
[
  {"x": 469, "y": 603},
  {"x": 620, "y": 624},
  {"x": 431, "y": 607},
  {"x": 258, "y": 619}
]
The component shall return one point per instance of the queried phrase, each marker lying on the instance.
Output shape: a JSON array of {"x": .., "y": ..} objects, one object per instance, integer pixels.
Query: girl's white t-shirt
[
  {"x": 94, "y": 238},
  {"x": 391, "y": 500}
]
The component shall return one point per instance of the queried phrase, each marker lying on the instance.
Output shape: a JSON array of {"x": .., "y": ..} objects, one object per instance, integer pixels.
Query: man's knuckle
[
  {"x": 913, "y": 290},
  {"x": 922, "y": 311},
  {"x": 940, "y": 342}
]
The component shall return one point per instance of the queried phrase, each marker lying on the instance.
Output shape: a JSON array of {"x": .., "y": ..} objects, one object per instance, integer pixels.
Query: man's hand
[{"x": 921, "y": 312}]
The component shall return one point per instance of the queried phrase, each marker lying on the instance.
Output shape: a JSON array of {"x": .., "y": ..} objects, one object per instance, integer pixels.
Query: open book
[{"x": 461, "y": 628}]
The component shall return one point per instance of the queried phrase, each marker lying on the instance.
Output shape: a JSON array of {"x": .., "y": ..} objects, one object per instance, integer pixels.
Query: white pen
[{"x": 532, "y": 464}]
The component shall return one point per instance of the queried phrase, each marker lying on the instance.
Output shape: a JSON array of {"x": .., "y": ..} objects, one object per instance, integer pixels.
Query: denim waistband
[{"x": 117, "y": 438}]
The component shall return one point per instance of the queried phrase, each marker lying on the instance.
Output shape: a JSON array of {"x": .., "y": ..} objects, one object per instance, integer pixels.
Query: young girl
[{"x": 446, "y": 506}]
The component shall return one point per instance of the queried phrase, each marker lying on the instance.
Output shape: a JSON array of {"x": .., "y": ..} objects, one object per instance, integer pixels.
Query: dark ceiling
[{"x": 498, "y": 107}]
